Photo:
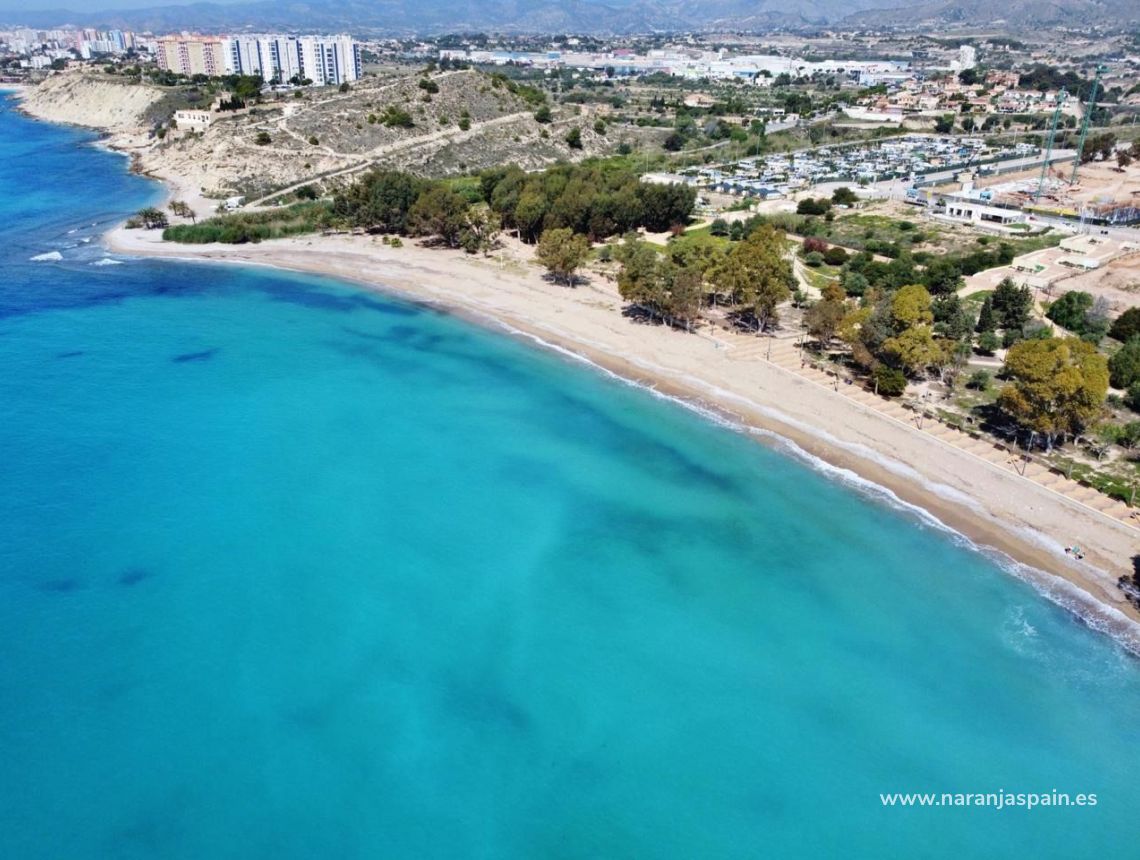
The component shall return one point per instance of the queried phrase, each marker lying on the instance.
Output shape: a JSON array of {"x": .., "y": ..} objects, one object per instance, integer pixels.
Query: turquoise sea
[{"x": 292, "y": 570}]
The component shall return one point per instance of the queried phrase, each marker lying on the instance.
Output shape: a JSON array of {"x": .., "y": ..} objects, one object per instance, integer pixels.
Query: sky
[{"x": 90, "y": 5}]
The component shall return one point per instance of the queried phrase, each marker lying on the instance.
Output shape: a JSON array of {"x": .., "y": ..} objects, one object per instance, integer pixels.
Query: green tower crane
[
  {"x": 1100, "y": 70},
  {"x": 1061, "y": 96}
]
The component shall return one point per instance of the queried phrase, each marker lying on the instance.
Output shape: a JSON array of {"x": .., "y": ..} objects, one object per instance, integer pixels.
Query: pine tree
[{"x": 987, "y": 321}]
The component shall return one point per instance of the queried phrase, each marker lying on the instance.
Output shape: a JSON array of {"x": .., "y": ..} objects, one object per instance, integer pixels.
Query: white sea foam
[
  {"x": 49, "y": 257},
  {"x": 107, "y": 261},
  {"x": 1095, "y": 614}
]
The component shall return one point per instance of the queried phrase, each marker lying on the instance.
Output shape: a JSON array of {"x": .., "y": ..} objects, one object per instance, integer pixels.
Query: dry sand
[{"x": 993, "y": 506}]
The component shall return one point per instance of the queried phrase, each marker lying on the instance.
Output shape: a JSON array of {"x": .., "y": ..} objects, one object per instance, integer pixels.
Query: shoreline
[
  {"x": 465, "y": 286},
  {"x": 1022, "y": 524}
]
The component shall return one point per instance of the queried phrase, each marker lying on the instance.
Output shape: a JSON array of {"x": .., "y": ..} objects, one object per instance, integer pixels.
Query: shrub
[
  {"x": 812, "y": 245},
  {"x": 262, "y": 138},
  {"x": 1132, "y": 398},
  {"x": 543, "y": 114},
  {"x": 844, "y": 196},
  {"x": 1124, "y": 367},
  {"x": 1126, "y": 326},
  {"x": 835, "y": 256},
  {"x": 314, "y": 141},
  {"x": 988, "y": 343},
  {"x": 464, "y": 123},
  {"x": 889, "y": 381},
  {"x": 574, "y": 138},
  {"x": 813, "y": 259},
  {"x": 428, "y": 85},
  {"x": 812, "y": 206},
  {"x": 980, "y": 380},
  {"x": 397, "y": 117},
  {"x": 1070, "y": 310}
]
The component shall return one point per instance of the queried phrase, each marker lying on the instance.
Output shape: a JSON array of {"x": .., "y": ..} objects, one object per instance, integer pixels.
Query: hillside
[
  {"x": 1016, "y": 15},
  {"x": 589, "y": 16},
  {"x": 453, "y": 16},
  {"x": 458, "y": 122},
  {"x": 101, "y": 102}
]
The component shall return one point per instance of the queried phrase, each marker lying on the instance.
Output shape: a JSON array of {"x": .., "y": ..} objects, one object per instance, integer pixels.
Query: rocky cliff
[{"x": 92, "y": 100}]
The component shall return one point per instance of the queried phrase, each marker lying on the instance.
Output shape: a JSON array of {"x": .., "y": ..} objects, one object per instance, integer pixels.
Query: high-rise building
[
  {"x": 967, "y": 57},
  {"x": 329, "y": 60},
  {"x": 191, "y": 55}
]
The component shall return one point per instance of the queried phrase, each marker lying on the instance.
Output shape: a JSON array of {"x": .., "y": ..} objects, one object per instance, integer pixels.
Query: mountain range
[{"x": 586, "y": 16}]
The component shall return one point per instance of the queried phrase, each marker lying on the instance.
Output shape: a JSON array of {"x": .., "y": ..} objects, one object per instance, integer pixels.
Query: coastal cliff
[
  {"x": 103, "y": 103},
  {"x": 456, "y": 122}
]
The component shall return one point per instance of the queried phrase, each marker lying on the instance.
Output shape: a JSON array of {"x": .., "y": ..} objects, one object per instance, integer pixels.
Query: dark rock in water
[
  {"x": 60, "y": 586},
  {"x": 134, "y": 576},
  {"x": 70, "y": 354},
  {"x": 204, "y": 355}
]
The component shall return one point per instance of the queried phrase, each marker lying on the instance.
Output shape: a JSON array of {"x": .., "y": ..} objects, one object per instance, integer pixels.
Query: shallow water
[{"x": 290, "y": 569}]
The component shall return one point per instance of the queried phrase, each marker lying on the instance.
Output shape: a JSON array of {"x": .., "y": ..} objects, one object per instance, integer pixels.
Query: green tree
[
  {"x": 1132, "y": 398},
  {"x": 824, "y": 318},
  {"x": 439, "y": 212},
  {"x": 952, "y": 318},
  {"x": 757, "y": 274},
  {"x": 813, "y": 206},
  {"x": 562, "y": 252},
  {"x": 1071, "y": 310},
  {"x": 529, "y": 214},
  {"x": 1011, "y": 304},
  {"x": 574, "y": 138},
  {"x": 942, "y": 275},
  {"x": 914, "y": 350},
  {"x": 987, "y": 319},
  {"x": 911, "y": 306},
  {"x": 988, "y": 343},
  {"x": 543, "y": 115},
  {"x": 844, "y": 196},
  {"x": 481, "y": 229},
  {"x": 853, "y": 283},
  {"x": 380, "y": 201},
  {"x": 153, "y": 218},
  {"x": 663, "y": 206},
  {"x": 1058, "y": 386},
  {"x": 1124, "y": 367},
  {"x": 889, "y": 381},
  {"x": 657, "y": 285},
  {"x": 1126, "y": 326}
]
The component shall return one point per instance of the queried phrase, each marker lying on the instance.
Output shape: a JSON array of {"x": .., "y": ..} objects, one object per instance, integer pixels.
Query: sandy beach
[{"x": 994, "y": 507}]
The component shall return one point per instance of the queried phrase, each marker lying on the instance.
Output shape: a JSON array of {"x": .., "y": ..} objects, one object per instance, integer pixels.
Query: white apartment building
[{"x": 328, "y": 60}]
